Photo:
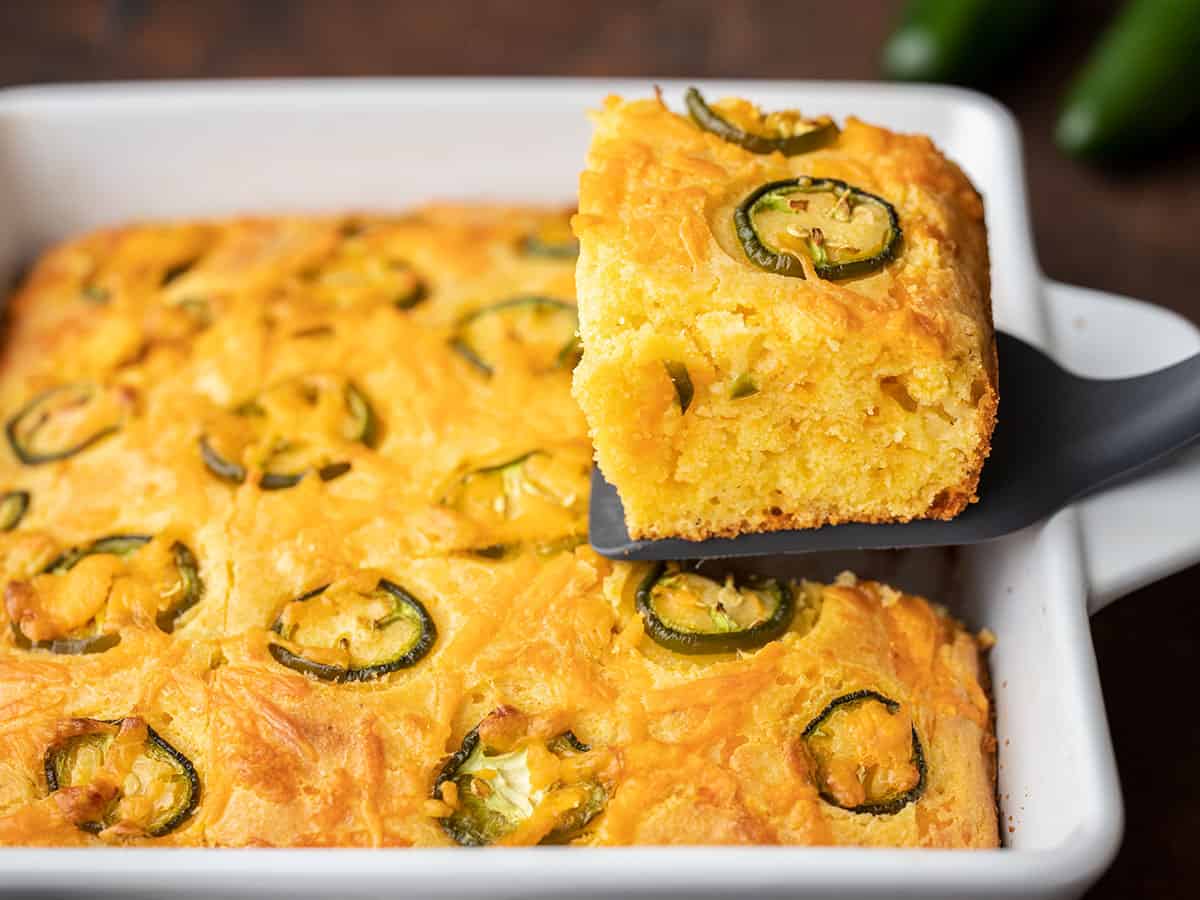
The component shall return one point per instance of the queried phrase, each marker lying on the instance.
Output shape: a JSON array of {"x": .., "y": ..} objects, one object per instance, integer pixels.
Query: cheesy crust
[
  {"x": 809, "y": 401},
  {"x": 471, "y": 495}
]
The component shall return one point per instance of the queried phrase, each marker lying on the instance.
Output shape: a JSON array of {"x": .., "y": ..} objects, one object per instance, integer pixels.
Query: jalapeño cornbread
[
  {"x": 785, "y": 324},
  {"x": 292, "y": 554}
]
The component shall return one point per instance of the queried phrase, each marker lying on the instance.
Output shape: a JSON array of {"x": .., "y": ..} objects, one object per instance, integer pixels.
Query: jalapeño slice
[
  {"x": 362, "y": 426},
  {"x": 539, "y": 333},
  {"x": 155, "y": 791},
  {"x": 743, "y": 386},
  {"x": 63, "y": 421},
  {"x": 285, "y": 458},
  {"x": 868, "y": 758},
  {"x": 223, "y": 468},
  {"x": 741, "y": 123},
  {"x": 341, "y": 634},
  {"x": 538, "y": 496},
  {"x": 13, "y": 505},
  {"x": 122, "y": 545},
  {"x": 185, "y": 593},
  {"x": 552, "y": 239},
  {"x": 844, "y": 231},
  {"x": 681, "y": 380},
  {"x": 590, "y": 800},
  {"x": 68, "y": 646},
  {"x": 90, "y": 638},
  {"x": 690, "y": 613},
  {"x": 357, "y": 274},
  {"x": 497, "y": 789}
]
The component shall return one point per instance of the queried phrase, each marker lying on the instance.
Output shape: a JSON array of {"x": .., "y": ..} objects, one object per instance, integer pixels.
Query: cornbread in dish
[
  {"x": 780, "y": 341},
  {"x": 294, "y": 556}
]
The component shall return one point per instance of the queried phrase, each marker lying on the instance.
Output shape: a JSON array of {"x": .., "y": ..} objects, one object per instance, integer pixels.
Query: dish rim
[{"x": 1070, "y": 866}]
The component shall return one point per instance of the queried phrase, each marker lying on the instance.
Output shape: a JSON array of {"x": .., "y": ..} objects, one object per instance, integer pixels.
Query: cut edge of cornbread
[{"x": 765, "y": 490}]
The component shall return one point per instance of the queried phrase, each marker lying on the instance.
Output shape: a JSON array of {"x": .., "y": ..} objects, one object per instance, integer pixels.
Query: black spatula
[{"x": 1058, "y": 438}]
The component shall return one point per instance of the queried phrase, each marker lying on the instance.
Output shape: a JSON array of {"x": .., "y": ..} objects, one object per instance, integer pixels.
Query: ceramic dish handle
[{"x": 1144, "y": 529}]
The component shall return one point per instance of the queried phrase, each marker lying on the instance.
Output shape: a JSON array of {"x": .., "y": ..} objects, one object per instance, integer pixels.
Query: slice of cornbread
[{"x": 805, "y": 365}]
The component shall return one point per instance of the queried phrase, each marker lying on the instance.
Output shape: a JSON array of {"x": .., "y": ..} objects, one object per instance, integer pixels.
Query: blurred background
[{"x": 1126, "y": 220}]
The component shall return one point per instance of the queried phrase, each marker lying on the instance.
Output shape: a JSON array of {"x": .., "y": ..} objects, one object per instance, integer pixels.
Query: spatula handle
[{"x": 1113, "y": 427}]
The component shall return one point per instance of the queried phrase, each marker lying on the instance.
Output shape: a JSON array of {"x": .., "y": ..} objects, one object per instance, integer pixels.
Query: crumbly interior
[
  {"x": 813, "y": 401},
  {"x": 469, "y": 491}
]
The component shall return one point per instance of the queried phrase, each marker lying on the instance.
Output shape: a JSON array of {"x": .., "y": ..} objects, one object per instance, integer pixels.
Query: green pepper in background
[
  {"x": 1141, "y": 83},
  {"x": 960, "y": 40}
]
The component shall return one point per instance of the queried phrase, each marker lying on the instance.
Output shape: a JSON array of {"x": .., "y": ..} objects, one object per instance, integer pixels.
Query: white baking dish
[{"x": 76, "y": 157}]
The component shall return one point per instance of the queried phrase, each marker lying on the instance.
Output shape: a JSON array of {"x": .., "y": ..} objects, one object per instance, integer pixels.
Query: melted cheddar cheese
[{"x": 469, "y": 494}]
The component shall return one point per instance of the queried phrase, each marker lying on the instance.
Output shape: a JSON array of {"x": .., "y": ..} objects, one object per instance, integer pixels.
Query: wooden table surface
[{"x": 1132, "y": 231}]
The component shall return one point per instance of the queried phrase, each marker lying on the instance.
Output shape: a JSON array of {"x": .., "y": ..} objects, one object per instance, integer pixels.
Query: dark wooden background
[{"x": 1134, "y": 230}]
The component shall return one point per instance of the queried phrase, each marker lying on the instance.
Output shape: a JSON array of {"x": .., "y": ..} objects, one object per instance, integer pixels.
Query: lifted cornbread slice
[{"x": 804, "y": 366}]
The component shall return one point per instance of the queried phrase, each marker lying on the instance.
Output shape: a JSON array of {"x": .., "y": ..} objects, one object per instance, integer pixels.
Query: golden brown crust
[
  {"x": 699, "y": 750},
  {"x": 662, "y": 278}
]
